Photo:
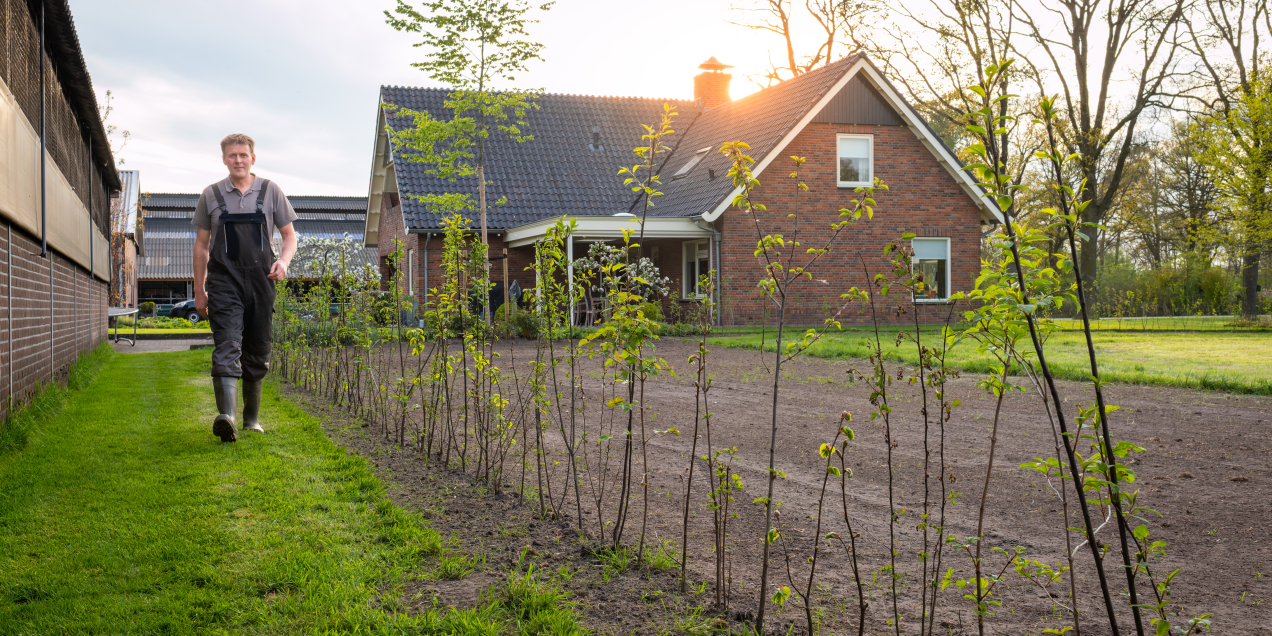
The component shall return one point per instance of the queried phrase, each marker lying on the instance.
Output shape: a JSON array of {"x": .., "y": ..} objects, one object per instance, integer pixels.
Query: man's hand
[
  {"x": 201, "y": 302},
  {"x": 278, "y": 272}
]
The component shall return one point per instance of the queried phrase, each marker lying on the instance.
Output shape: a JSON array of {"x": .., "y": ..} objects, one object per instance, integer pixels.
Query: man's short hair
[{"x": 238, "y": 139}]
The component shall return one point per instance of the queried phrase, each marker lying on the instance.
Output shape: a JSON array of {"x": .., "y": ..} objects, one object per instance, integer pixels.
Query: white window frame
[
  {"x": 690, "y": 287},
  {"x": 410, "y": 272},
  {"x": 869, "y": 179},
  {"x": 948, "y": 268}
]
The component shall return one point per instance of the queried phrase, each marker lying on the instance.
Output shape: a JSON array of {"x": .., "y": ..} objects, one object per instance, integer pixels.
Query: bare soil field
[{"x": 1205, "y": 468}]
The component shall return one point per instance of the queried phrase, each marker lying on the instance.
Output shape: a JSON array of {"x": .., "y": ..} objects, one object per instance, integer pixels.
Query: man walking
[{"x": 233, "y": 250}]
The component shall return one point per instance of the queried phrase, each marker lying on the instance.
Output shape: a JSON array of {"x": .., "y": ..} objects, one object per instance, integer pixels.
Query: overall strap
[
  {"x": 260, "y": 196},
  {"x": 220, "y": 200}
]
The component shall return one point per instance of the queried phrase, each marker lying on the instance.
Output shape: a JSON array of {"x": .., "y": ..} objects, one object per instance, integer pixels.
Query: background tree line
[{"x": 1168, "y": 104}]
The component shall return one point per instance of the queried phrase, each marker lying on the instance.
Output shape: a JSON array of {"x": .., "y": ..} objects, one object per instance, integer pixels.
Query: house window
[
  {"x": 932, "y": 258},
  {"x": 697, "y": 264},
  {"x": 856, "y": 160},
  {"x": 693, "y": 161}
]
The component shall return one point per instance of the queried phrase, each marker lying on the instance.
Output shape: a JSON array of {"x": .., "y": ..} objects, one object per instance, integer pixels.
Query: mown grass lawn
[
  {"x": 124, "y": 515},
  {"x": 1236, "y": 362},
  {"x": 1166, "y": 323}
]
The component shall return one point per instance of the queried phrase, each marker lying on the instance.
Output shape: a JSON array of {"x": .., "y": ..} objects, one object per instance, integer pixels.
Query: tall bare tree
[
  {"x": 1113, "y": 60},
  {"x": 939, "y": 51},
  {"x": 1227, "y": 36},
  {"x": 839, "y": 21}
]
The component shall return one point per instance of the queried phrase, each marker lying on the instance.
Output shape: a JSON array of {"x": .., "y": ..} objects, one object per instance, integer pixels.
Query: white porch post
[
  {"x": 713, "y": 253},
  {"x": 569, "y": 256}
]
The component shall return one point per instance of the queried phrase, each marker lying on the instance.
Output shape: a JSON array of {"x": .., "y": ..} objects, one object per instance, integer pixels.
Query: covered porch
[{"x": 682, "y": 248}]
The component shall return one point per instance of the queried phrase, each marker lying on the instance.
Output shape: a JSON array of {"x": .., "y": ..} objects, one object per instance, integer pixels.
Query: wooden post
[
  {"x": 507, "y": 308},
  {"x": 569, "y": 258}
]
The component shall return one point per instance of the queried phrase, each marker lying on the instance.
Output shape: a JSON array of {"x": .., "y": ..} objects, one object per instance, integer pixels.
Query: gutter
[
  {"x": 992, "y": 226},
  {"x": 715, "y": 238},
  {"x": 90, "y": 211}
]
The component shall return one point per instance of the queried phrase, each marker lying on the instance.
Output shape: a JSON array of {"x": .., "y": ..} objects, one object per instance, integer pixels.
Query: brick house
[
  {"x": 846, "y": 118},
  {"x": 56, "y": 180}
]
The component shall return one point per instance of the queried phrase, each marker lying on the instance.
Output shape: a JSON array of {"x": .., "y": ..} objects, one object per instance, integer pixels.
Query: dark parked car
[{"x": 185, "y": 309}]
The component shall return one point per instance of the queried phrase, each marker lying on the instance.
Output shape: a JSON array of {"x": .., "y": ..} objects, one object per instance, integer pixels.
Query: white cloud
[{"x": 302, "y": 76}]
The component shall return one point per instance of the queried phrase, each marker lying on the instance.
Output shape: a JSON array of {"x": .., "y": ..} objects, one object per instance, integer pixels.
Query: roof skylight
[{"x": 693, "y": 161}]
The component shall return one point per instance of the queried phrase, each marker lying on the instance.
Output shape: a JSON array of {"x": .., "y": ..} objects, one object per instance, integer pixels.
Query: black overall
[{"x": 240, "y": 293}]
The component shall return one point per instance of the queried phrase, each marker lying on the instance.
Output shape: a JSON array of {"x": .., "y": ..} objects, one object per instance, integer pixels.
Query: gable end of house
[
  {"x": 864, "y": 96},
  {"x": 858, "y": 103}
]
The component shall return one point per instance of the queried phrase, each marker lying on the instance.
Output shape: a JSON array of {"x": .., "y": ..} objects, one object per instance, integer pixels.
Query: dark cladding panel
[{"x": 858, "y": 103}]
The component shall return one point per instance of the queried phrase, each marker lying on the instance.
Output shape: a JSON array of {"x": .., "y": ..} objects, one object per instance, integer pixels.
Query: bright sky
[{"x": 301, "y": 76}]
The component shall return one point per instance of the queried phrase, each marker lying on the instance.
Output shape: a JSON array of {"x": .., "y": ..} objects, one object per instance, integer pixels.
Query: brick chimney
[{"x": 712, "y": 87}]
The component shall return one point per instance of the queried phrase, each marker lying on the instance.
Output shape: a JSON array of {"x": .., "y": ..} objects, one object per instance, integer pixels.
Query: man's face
[{"x": 239, "y": 159}]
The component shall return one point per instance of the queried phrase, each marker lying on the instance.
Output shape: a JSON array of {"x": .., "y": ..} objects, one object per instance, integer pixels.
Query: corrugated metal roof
[
  {"x": 357, "y": 204},
  {"x": 127, "y": 200},
  {"x": 170, "y": 250},
  {"x": 366, "y": 256},
  {"x": 328, "y": 229},
  {"x": 176, "y": 201},
  {"x": 170, "y": 245},
  {"x": 152, "y": 201}
]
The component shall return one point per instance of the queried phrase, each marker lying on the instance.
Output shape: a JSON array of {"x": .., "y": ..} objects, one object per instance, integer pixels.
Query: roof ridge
[
  {"x": 384, "y": 87},
  {"x": 846, "y": 60}
]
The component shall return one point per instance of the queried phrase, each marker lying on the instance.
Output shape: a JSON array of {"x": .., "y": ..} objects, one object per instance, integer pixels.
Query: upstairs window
[
  {"x": 932, "y": 258},
  {"x": 856, "y": 160}
]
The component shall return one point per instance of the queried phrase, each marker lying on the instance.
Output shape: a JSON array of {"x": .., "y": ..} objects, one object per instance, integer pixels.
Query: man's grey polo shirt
[{"x": 278, "y": 210}]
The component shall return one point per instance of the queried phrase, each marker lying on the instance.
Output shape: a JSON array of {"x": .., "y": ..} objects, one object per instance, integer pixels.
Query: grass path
[
  {"x": 1235, "y": 362},
  {"x": 125, "y": 515}
]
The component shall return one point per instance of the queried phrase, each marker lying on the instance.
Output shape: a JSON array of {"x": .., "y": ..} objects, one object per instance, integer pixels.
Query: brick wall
[
  {"x": 42, "y": 332},
  {"x": 392, "y": 230},
  {"x": 922, "y": 198},
  {"x": 51, "y": 309},
  {"x": 519, "y": 259}
]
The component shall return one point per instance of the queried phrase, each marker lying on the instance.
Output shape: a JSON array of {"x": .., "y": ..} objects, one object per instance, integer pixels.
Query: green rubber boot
[
  {"x": 252, "y": 405},
  {"x": 226, "y": 390}
]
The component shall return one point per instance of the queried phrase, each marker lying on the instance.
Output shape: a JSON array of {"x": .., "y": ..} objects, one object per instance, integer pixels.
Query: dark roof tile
[
  {"x": 761, "y": 120},
  {"x": 558, "y": 173}
]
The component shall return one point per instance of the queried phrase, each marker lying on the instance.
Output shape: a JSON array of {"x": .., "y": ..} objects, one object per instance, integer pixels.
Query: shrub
[
  {"x": 165, "y": 322},
  {"x": 521, "y": 323},
  {"x": 680, "y": 329},
  {"x": 147, "y": 308},
  {"x": 1217, "y": 290},
  {"x": 653, "y": 310}
]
